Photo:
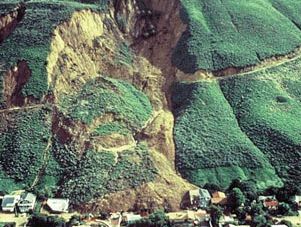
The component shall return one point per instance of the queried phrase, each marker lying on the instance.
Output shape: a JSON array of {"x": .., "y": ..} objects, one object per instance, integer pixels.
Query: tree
[
  {"x": 256, "y": 209},
  {"x": 236, "y": 198},
  {"x": 241, "y": 214},
  {"x": 248, "y": 188},
  {"x": 156, "y": 219},
  {"x": 260, "y": 221},
  {"x": 38, "y": 220},
  {"x": 234, "y": 184},
  {"x": 212, "y": 187},
  {"x": 216, "y": 212},
  {"x": 284, "y": 209},
  {"x": 159, "y": 219}
]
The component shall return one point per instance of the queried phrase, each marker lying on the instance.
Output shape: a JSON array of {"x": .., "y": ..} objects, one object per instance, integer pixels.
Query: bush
[
  {"x": 236, "y": 198},
  {"x": 38, "y": 220}
]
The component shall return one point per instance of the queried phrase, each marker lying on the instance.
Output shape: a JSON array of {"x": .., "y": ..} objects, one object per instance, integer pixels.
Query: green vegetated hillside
[
  {"x": 226, "y": 33},
  {"x": 31, "y": 40},
  {"x": 24, "y": 136},
  {"x": 210, "y": 146},
  {"x": 267, "y": 107},
  {"x": 98, "y": 173}
]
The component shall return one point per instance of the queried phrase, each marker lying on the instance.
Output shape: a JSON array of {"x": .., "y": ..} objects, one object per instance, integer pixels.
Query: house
[
  {"x": 115, "y": 219},
  {"x": 205, "y": 198},
  {"x": 199, "y": 198},
  {"x": 225, "y": 220},
  {"x": 130, "y": 217},
  {"x": 219, "y": 198},
  {"x": 279, "y": 225},
  {"x": 264, "y": 198},
  {"x": 200, "y": 217},
  {"x": 271, "y": 204},
  {"x": 58, "y": 205},
  {"x": 9, "y": 202},
  {"x": 27, "y": 202}
]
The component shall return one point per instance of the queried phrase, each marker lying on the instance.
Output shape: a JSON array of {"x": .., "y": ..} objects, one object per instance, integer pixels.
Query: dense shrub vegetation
[
  {"x": 106, "y": 95},
  {"x": 210, "y": 146},
  {"x": 112, "y": 127},
  {"x": 100, "y": 172},
  {"x": 227, "y": 33},
  {"x": 24, "y": 137},
  {"x": 273, "y": 126}
]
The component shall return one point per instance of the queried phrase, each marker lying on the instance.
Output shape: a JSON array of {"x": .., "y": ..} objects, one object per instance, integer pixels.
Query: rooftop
[{"x": 58, "y": 205}]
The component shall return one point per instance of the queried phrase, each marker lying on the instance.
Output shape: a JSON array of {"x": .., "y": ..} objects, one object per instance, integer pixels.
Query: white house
[
  {"x": 199, "y": 198},
  {"x": 131, "y": 217},
  {"x": 27, "y": 202},
  {"x": 58, "y": 205},
  {"x": 9, "y": 202}
]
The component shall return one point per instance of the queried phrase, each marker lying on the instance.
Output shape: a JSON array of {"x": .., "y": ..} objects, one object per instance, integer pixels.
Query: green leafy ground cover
[
  {"x": 267, "y": 107},
  {"x": 105, "y": 95},
  {"x": 210, "y": 146},
  {"x": 228, "y": 33},
  {"x": 31, "y": 40},
  {"x": 24, "y": 136},
  {"x": 98, "y": 173},
  {"x": 112, "y": 127}
]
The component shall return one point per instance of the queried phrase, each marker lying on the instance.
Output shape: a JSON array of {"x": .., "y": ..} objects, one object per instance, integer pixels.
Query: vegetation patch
[
  {"x": 267, "y": 107},
  {"x": 210, "y": 146},
  {"x": 124, "y": 55},
  {"x": 222, "y": 34},
  {"x": 24, "y": 137},
  {"x": 110, "y": 128},
  {"x": 98, "y": 173},
  {"x": 106, "y": 95}
]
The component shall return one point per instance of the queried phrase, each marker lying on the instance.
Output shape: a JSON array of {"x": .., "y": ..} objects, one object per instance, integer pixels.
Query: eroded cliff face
[
  {"x": 92, "y": 44},
  {"x": 13, "y": 82},
  {"x": 9, "y": 21}
]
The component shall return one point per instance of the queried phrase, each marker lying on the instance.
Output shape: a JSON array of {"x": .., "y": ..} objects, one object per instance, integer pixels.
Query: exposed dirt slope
[
  {"x": 9, "y": 21},
  {"x": 86, "y": 47}
]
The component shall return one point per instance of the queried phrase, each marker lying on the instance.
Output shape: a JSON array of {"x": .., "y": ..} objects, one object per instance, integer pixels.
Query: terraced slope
[{"x": 224, "y": 33}]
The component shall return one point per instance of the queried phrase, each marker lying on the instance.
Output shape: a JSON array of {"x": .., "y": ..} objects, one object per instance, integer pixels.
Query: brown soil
[
  {"x": 13, "y": 82},
  {"x": 9, "y": 21}
]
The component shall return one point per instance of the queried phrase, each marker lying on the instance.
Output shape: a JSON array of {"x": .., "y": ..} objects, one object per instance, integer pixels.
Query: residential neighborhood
[{"x": 205, "y": 207}]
